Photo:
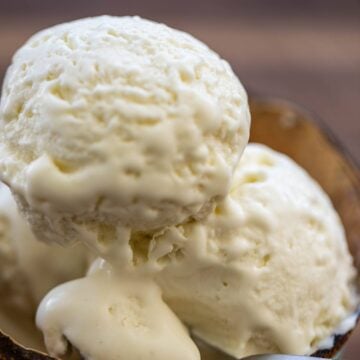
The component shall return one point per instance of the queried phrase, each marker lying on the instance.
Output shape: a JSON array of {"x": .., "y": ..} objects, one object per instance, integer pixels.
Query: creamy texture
[
  {"x": 118, "y": 124},
  {"x": 110, "y": 316},
  {"x": 126, "y": 134},
  {"x": 29, "y": 268},
  {"x": 268, "y": 271}
]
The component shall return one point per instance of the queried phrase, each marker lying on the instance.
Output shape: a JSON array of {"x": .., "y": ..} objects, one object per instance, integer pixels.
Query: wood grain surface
[{"x": 304, "y": 51}]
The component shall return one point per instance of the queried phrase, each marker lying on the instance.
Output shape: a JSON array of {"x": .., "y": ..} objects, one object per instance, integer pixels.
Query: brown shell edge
[
  {"x": 10, "y": 350},
  {"x": 340, "y": 340}
]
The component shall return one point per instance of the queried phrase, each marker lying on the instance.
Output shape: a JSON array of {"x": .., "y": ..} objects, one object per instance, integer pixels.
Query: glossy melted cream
[{"x": 110, "y": 316}]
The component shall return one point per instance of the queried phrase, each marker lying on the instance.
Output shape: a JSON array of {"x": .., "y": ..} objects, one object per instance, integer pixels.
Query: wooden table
[{"x": 304, "y": 51}]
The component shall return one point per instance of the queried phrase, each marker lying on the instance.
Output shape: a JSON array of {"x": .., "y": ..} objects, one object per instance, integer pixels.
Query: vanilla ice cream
[
  {"x": 268, "y": 271},
  {"x": 118, "y": 124},
  {"x": 29, "y": 268},
  {"x": 126, "y": 134},
  {"x": 109, "y": 316}
]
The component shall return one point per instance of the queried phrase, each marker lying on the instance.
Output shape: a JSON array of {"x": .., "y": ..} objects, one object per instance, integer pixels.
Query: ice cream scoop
[
  {"x": 110, "y": 316},
  {"x": 118, "y": 124},
  {"x": 28, "y": 267},
  {"x": 126, "y": 134},
  {"x": 269, "y": 270}
]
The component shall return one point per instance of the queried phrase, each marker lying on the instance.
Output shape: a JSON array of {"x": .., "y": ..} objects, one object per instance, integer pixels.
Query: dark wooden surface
[{"x": 304, "y": 51}]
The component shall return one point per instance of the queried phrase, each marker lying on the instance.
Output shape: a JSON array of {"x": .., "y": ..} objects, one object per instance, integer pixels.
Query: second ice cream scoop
[
  {"x": 28, "y": 267},
  {"x": 268, "y": 271}
]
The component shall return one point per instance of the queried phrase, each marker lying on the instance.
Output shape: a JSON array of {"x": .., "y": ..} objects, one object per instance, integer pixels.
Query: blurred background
[{"x": 307, "y": 52}]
